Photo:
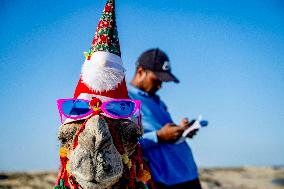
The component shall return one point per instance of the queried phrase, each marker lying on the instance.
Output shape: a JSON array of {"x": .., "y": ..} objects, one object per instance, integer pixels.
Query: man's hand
[
  {"x": 192, "y": 133},
  {"x": 186, "y": 124},
  {"x": 169, "y": 133}
]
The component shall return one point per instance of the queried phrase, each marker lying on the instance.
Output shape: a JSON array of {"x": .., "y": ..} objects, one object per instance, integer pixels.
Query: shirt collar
[
  {"x": 141, "y": 92},
  {"x": 137, "y": 90}
]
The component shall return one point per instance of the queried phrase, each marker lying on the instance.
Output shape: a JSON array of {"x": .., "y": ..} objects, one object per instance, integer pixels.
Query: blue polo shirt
[{"x": 169, "y": 163}]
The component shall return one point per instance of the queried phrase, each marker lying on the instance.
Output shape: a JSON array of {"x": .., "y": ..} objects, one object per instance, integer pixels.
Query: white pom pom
[{"x": 100, "y": 74}]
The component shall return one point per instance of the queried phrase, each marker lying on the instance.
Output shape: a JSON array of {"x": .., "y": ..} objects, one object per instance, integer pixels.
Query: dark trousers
[{"x": 193, "y": 184}]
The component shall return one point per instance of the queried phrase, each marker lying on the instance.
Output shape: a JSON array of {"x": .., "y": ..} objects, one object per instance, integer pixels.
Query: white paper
[{"x": 195, "y": 125}]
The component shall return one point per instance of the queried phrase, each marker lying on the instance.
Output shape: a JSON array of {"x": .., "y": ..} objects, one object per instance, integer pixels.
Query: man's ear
[
  {"x": 140, "y": 70},
  {"x": 140, "y": 73}
]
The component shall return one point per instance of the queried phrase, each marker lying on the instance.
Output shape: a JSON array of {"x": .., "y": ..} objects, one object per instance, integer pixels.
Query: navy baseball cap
[{"x": 157, "y": 61}]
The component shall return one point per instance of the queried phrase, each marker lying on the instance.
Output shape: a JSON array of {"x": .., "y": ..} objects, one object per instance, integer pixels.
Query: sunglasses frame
[{"x": 102, "y": 107}]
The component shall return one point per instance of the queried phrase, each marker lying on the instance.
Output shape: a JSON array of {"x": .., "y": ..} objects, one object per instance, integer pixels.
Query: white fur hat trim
[{"x": 103, "y": 72}]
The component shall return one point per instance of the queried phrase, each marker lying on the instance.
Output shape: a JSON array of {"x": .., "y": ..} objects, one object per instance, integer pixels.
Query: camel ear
[{"x": 95, "y": 162}]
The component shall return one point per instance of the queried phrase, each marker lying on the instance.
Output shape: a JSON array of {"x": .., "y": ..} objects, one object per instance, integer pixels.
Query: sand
[
  {"x": 243, "y": 178},
  {"x": 213, "y": 178}
]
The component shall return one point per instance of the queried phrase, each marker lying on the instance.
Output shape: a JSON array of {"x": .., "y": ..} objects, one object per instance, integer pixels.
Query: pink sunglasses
[{"x": 117, "y": 109}]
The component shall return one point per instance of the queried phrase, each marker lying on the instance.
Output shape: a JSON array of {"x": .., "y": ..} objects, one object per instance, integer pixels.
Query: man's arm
[{"x": 169, "y": 133}]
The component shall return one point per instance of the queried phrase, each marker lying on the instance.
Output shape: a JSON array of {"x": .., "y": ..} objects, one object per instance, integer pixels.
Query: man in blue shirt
[{"x": 172, "y": 165}]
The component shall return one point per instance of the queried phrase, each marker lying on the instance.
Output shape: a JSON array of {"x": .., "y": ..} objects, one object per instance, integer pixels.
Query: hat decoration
[{"x": 102, "y": 72}]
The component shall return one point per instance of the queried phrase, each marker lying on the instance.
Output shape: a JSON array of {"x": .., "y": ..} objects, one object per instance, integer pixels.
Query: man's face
[{"x": 151, "y": 82}]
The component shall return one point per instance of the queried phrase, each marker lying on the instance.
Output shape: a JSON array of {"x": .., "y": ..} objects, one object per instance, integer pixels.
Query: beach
[{"x": 211, "y": 178}]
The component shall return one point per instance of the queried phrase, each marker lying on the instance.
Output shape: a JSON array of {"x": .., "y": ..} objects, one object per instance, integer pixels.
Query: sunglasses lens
[
  {"x": 120, "y": 108},
  {"x": 74, "y": 108}
]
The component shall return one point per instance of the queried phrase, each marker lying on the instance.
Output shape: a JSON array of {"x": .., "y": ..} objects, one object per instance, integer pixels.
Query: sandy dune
[
  {"x": 229, "y": 178},
  {"x": 243, "y": 178}
]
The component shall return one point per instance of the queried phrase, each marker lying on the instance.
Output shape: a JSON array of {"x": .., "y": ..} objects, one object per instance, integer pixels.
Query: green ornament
[
  {"x": 101, "y": 47},
  {"x": 106, "y": 17},
  {"x": 140, "y": 185},
  {"x": 61, "y": 185},
  {"x": 104, "y": 31}
]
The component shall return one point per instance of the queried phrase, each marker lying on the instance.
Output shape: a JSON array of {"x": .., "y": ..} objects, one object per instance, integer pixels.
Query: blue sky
[{"x": 228, "y": 56}]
